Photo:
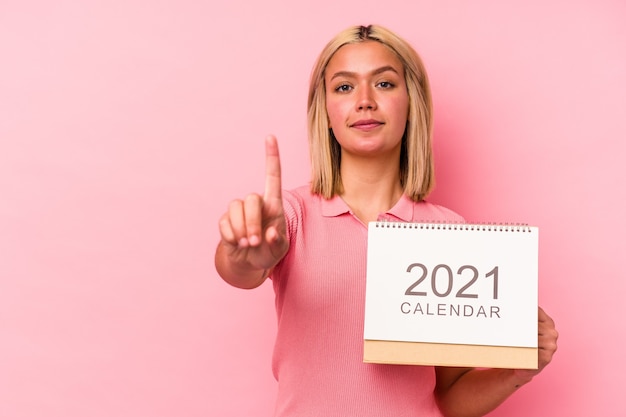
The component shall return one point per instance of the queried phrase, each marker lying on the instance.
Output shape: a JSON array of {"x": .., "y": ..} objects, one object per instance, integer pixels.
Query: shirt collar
[
  {"x": 334, "y": 207},
  {"x": 403, "y": 209}
]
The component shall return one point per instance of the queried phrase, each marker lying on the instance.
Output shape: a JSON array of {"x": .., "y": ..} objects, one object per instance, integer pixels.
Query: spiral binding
[{"x": 484, "y": 227}]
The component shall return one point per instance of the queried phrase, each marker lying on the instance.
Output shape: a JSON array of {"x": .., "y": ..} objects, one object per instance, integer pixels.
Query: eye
[
  {"x": 386, "y": 84},
  {"x": 343, "y": 88}
]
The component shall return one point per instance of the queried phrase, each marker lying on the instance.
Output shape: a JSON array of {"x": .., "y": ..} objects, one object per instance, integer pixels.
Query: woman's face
[{"x": 366, "y": 99}]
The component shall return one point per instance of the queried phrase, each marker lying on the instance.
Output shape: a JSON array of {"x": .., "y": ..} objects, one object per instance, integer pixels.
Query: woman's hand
[
  {"x": 546, "y": 343},
  {"x": 253, "y": 230}
]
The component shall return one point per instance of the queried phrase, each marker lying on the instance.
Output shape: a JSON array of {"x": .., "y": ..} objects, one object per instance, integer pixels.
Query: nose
[{"x": 366, "y": 99}]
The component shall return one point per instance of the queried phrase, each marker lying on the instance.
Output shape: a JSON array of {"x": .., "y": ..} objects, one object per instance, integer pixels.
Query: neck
[{"x": 370, "y": 187}]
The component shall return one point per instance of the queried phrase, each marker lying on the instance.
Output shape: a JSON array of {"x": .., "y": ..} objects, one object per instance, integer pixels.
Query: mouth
[{"x": 366, "y": 124}]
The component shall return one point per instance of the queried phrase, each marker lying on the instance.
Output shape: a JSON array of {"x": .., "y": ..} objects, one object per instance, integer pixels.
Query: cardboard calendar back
[{"x": 451, "y": 295}]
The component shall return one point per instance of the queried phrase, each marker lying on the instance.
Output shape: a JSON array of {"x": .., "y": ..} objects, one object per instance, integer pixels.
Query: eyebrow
[{"x": 350, "y": 74}]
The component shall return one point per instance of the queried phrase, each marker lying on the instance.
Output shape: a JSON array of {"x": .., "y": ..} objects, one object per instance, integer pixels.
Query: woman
[{"x": 370, "y": 128}]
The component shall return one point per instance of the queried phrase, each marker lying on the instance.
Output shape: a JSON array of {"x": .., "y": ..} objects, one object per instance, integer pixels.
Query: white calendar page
[{"x": 452, "y": 284}]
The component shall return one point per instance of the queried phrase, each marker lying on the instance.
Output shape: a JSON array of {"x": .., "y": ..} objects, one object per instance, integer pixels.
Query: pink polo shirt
[{"x": 320, "y": 296}]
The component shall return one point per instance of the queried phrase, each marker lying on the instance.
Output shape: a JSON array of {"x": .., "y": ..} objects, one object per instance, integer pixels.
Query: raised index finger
[{"x": 272, "y": 169}]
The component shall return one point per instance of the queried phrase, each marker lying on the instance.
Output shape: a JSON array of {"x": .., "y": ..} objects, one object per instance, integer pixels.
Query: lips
[{"x": 366, "y": 124}]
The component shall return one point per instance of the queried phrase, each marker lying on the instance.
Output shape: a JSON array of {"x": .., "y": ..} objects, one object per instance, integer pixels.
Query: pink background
[{"x": 127, "y": 126}]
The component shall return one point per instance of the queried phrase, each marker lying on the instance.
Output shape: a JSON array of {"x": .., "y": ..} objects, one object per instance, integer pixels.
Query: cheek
[
  {"x": 402, "y": 109},
  {"x": 333, "y": 110}
]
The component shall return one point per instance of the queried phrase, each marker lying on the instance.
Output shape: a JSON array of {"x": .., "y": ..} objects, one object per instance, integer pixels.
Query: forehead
[{"x": 363, "y": 57}]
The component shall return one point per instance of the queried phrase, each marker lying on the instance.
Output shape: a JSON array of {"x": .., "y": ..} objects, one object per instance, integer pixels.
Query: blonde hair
[{"x": 416, "y": 158}]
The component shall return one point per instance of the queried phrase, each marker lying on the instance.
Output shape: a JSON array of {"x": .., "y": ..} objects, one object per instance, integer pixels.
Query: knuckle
[
  {"x": 235, "y": 205},
  {"x": 253, "y": 199},
  {"x": 550, "y": 346}
]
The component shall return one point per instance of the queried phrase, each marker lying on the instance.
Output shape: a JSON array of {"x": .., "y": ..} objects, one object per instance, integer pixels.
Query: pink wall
[{"x": 127, "y": 126}]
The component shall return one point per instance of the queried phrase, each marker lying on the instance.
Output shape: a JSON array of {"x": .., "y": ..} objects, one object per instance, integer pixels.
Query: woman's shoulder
[
  {"x": 297, "y": 202},
  {"x": 301, "y": 192},
  {"x": 297, "y": 198},
  {"x": 426, "y": 211}
]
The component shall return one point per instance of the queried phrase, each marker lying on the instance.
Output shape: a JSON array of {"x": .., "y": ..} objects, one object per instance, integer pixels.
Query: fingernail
[
  {"x": 253, "y": 240},
  {"x": 271, "y": 234}
]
